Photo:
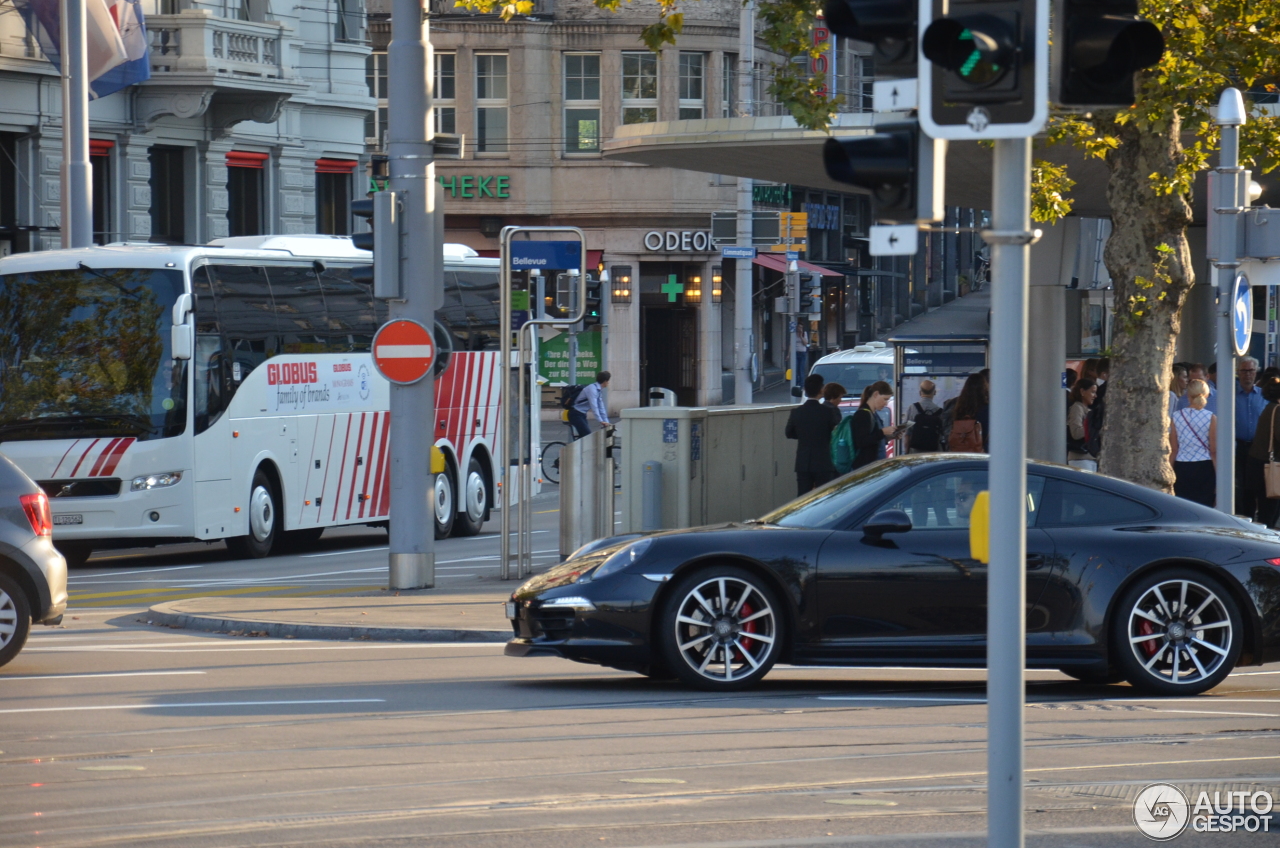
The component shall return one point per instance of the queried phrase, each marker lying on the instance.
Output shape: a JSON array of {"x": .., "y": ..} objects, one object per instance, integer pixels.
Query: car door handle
[{"x": 1035, "y": 560}]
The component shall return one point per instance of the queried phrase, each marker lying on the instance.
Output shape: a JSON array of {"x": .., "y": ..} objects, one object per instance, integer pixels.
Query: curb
[{"x": 164, "y": 615}]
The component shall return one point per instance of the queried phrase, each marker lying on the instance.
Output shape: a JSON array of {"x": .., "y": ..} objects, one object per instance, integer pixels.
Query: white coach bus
[{"x": 162, "y": 394}]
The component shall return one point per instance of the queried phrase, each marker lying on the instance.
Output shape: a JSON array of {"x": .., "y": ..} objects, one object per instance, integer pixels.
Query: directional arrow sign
[
  {"x": 894, "y": 240},
  {"x": 895, "y": 95},
  {"x": 403, "y": 351}
]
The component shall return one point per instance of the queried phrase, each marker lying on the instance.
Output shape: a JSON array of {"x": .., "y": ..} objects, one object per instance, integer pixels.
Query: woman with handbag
[
  {"x": 1079, "y": 438},
  {"x": 1191, "y": 444},
  {"x": 1262, "y": 472}
]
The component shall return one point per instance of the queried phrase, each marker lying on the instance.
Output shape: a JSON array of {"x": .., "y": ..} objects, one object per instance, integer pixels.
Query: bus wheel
[
  {"x": 475, "y": 501},
  {"x": 264, "y": 521},
  {"x": 446, "y": 503}
]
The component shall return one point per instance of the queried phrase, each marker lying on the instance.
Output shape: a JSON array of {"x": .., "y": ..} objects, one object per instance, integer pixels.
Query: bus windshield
[
  {"x": 86, "y": 353},
  {"x": 855, "y": 376}
]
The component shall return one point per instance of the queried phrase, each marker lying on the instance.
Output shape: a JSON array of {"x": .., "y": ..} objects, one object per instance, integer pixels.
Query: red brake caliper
[
  {"x": 1150, "y": 646},
  {"x": 749, "y": 627}
]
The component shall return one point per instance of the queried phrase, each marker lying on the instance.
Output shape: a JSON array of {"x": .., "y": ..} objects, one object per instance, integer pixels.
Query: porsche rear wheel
[{"x": 721, "y": 629}]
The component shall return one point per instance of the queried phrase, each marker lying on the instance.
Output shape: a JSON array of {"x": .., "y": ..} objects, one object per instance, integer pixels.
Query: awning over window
[
  {"x": 246, "y": 159},
  {"x": 779, "y": 263},
  {"x": 100, "y": 146},
  {"x": 593, "y": 259},
  {"x": 336, "y": 166}
]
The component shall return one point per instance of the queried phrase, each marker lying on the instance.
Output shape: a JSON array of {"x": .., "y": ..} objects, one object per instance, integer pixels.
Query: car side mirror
[
  {"x": 796, "y": 391},
  {"x": 887, "y": 521}
]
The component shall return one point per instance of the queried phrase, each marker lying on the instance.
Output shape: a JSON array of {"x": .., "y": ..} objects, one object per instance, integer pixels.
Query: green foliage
[
  {"x": 1049, "y": 187},
  {"x": 1147, "y": 290}
]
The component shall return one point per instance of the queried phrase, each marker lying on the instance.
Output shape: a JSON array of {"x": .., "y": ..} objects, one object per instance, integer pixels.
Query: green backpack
[{"x": 842, "y": 451}]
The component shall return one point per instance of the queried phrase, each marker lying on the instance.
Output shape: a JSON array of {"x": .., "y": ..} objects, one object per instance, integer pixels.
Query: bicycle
[{"x": 551, "y": 454}]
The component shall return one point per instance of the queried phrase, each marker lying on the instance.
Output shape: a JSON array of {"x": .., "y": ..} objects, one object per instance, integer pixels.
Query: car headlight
[
  {"x": 622, "y": 558},
  {"x": 155, "y": 481},
  {"x": 569, "y": 602}
]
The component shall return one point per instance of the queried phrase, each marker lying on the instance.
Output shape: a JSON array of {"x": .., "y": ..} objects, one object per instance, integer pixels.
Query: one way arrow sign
[
  {"x": 894, "y": 95},
  {"x": 894, "y": 240}
]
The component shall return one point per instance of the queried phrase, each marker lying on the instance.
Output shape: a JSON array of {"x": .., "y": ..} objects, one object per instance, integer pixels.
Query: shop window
[
  {"x": 100, "y": 163},
  {"x": 168, "y": 195},
  {"x": 582, "y": 103},
  {"x": 444, "y": 101},
  {"x": 246, "y": 192},
  {"x": 693, "y": 70},
  {"x": 491, "y": 103},
  {"x": 639, "y": 88},
  {"x": 333, "y": 196}
]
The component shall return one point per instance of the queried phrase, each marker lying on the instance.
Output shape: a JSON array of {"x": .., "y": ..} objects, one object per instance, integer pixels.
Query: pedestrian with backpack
[
  {"x": 924, "y": 417},
  {"x": 858, "y": 439},
  {"x": 967, "y": 433},
  {"x": 580, "y": 400}
]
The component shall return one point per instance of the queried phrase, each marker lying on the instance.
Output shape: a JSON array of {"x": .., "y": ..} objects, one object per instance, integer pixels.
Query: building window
[
  {"x": 693, "y": 72},
  {"x": 348, "y": 24},
  {"x": 100, "y": 163},
  {"x": 246, "y": 192},
  {"x": 582, "y": 103},
  {"x": 729, "y": 84},
  {"x": 445, "y": 108},
  {"x": 168, "y": 195},
  {"x": 375, "y": 123},
  {"x": 639, "y": 88},
  {"x": 491, "y": 103},
  {"x": 333, "y": 196}
]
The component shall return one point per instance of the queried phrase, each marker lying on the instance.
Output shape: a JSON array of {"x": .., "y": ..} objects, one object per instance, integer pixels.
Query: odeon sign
[{"x": 684, "y": 241}]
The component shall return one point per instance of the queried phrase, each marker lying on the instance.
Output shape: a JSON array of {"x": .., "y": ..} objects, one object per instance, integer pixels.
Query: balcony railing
[{"x": 195, "y": 42}]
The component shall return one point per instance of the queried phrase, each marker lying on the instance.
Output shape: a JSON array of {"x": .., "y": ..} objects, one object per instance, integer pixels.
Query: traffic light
[
  {"x": 899, "y": 165},
  {"x": 591, "y": 316},
  {"x": 988, "y": 71},
  {"x": 1104, "y": 43},
  {"x": 381, "y": 212},
  {"x": 888, "y": 25}
]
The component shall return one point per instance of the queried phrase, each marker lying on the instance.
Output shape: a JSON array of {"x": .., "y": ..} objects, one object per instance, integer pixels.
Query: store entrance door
[{"x": 668, "y": 332}]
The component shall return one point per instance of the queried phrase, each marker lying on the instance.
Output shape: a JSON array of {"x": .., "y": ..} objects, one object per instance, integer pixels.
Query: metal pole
[
  {"x": 1231, "y": 115},
  {"x": 504, "y": 401},
  {"x": 1007, "y": 483},
  {"x": 742, "y": 294},
  {"x": 412, "y": 535},
  {"x": 77, "y": 174}
]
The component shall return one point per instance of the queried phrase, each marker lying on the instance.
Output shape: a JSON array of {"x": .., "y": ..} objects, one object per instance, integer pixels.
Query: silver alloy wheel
[
  {"x": 262, "y": 513},
  {"x": 443, "y": 499},
  {"x": 1180, "y": 632},
  {"x": 8, "y": 619},
  {"x": 725, "y": 629},
  {"x": 475, "y": 496}
]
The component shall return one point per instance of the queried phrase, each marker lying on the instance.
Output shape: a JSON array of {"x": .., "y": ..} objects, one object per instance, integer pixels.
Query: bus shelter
[{"x": 946, "y": 359}]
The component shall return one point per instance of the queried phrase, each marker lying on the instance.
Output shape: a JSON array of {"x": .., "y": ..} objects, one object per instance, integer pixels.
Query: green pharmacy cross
[{"x": 671, "y": 288}]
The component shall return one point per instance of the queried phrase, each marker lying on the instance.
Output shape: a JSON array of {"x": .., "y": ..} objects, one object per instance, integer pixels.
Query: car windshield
[
  {"x": 854, "y": 376},
  {"x": 829, "y": 506},
  {"x": 86, "y": 353}
]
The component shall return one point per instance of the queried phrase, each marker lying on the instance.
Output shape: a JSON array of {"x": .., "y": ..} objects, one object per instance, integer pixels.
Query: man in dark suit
[{"x": 811, "y": 424}]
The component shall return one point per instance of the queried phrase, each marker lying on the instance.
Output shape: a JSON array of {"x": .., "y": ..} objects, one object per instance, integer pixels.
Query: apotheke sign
[{"x": 683, "y": 241}]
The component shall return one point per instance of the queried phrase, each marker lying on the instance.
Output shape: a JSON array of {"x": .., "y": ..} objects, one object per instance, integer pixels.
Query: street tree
[{"x": 1153, "y": 152}]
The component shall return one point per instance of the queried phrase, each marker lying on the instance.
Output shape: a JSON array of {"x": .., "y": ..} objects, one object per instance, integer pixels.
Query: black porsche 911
[{"x": 1123, "y": 583}]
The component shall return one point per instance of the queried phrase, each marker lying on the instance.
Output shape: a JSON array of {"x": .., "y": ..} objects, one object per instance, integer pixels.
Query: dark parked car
[
  {"x": 874, "y": 569},
  {"x": 33, "y": 575}
]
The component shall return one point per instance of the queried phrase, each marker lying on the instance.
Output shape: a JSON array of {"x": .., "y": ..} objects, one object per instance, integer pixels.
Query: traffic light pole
[
  {"x": 412, "y": 526},
  {"x": 1228, "y": 198},
  {"x": 743, "y": 296},
  {"x": 1010, "y": 240},
  {"x": 77, "y": 173}
]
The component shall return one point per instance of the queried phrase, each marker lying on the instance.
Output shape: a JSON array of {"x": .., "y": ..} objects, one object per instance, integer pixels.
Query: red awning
[
  {"x": 100, "y": 146},
  {"x": 335, "y": 166},
  {"x": 776, "y": 262},
  {"x": 246, "y": 159},
  {"x": 593, "y": 259}
]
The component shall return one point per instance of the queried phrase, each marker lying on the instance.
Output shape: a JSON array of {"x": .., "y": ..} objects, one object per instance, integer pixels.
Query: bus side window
[
  {"x": 352, "y": 321},
  {"x": 471, "y": 307},
  {"x": 248, "y": 315},
  {"x": 300, "y": 309},
  {"x": 211, "y": 377}
]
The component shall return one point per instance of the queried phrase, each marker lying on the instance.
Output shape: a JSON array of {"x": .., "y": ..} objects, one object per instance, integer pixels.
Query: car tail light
[
  {"x": 37, "y": 509},
  {"x": 1275, "y": 562}
]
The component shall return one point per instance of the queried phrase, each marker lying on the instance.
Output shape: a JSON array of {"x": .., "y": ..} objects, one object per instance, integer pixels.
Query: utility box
[{"x": 718, "y": 464}]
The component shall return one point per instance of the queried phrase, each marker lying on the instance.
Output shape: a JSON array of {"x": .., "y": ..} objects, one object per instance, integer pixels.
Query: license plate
[
  {"x": 68, "y": 519},
  {"x": 511, "y": 610}
]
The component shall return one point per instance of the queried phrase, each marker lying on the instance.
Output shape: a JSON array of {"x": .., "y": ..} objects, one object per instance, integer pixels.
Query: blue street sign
[
  {"x": 793, "y": 254},
  {"x": 1241, "y": 314},
  {"x": 738, "y": 252},
  {"x": 557, "y": 255}
]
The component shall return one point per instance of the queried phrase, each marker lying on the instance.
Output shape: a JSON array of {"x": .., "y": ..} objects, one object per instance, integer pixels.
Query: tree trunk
[{"x": 1150, "y": 266}]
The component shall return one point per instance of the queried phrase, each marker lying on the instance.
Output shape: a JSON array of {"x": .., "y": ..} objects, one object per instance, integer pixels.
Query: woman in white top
[
  {"x": 1191, "y": 444},
  {"x": 1081, "y": 443}
]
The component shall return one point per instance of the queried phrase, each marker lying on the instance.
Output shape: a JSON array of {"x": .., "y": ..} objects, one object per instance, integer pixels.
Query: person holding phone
[{"x": 868, "y": 434}]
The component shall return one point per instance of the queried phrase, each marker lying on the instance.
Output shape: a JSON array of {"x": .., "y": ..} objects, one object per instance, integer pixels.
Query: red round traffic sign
[{"x": 403, "y": 351}]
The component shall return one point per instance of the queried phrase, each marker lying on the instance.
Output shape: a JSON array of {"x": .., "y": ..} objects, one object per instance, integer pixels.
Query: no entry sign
[{"x": 403, "y": 351}]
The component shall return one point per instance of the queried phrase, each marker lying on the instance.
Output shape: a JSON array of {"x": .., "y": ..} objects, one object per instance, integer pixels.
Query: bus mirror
[
  {"x": 182, "y": 307},
  {"x": 183, "y": 340}
]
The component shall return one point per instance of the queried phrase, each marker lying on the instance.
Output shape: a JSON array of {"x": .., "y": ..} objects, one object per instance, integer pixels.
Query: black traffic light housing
[
  {"x": 363, "y": 274},
  {"x": 899, "y": 165},
  {"x": 889, "y": 25},
  {"x": 591, "y": 316},
  {"x": 1103, "y": 43}
]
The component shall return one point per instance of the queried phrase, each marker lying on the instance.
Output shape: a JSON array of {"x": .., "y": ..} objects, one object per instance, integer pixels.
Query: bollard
[{"x": 651, "y": 503}]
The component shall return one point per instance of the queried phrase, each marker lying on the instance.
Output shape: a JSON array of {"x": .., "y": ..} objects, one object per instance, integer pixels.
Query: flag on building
[{"x": 116, "y": 36}]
